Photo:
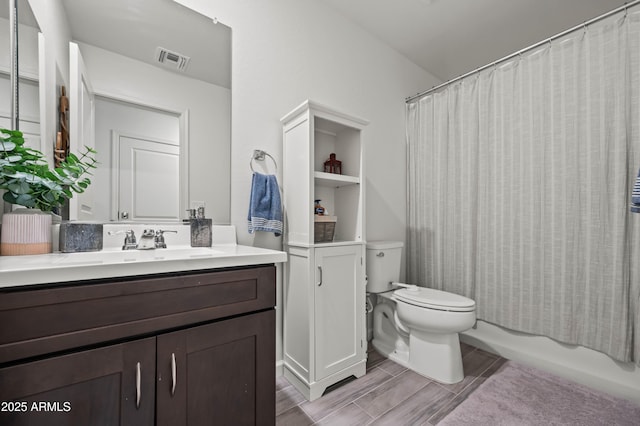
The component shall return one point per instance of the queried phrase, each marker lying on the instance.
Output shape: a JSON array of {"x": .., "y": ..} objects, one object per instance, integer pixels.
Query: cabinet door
[
  {"x": 93, "y": 387},
  {"x": 219, "y": 373},
  {"x": 339, "y": 309}
]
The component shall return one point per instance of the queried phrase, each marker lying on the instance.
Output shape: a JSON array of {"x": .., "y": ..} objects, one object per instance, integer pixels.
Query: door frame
[{"x": 79, "y": 85}]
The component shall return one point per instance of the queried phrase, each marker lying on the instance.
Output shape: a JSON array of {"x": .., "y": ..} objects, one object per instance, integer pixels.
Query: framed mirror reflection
[{"x": 149, "y": 88}]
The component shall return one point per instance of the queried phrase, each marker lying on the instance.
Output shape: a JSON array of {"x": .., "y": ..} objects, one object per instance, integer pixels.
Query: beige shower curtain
[{"x": 519, "y": 181}]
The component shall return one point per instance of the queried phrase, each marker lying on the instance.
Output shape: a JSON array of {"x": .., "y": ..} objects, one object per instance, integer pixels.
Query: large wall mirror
[{"x": 149, "y": 87}]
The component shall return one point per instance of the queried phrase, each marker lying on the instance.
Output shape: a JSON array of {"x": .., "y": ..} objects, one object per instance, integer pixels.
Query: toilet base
[
  {"x": 392, "y": 351},
  {"x": 436, "y": 356}
]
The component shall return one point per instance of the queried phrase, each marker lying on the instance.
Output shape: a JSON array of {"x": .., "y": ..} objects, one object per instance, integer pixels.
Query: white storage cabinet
[{"x": 324, "y": 283}]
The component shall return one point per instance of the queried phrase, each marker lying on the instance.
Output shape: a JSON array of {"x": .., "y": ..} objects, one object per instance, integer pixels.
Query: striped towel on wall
[
  {"x": 265, "y": 205},
  {"x": 635, "y": 196}
]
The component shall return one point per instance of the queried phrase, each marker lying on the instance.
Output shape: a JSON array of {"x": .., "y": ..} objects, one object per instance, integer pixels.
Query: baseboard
[
  {"x": 279, "y": 368},
  {"x": 315, "y": 389},
  {"x": 576, "y": 363}
]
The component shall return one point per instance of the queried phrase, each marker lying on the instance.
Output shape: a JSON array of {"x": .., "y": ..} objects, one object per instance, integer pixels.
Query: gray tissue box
[{"x": 80, "y": 236}]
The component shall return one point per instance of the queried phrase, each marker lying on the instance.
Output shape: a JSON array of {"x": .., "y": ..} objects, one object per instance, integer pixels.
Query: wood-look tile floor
[{"x": 388, "y": 394}]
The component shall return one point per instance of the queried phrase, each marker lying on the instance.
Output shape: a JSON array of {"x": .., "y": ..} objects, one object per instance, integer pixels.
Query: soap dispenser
[{"x": 201, "y": 229}]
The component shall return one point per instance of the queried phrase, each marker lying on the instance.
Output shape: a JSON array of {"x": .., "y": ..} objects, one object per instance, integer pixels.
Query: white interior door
[
  {"x": 81, "y": 127},
  {"x": 147, "y": 179}
]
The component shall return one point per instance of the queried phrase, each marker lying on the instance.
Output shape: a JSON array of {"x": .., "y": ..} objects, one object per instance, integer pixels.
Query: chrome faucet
[
  {"x": 129, "y": 239},
  {"x": 147, "y": 240}
]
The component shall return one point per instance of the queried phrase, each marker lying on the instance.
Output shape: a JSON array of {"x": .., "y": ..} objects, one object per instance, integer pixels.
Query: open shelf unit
[
  {"x": 311, "y": 133},
  {"x": 324, "y": 283}
]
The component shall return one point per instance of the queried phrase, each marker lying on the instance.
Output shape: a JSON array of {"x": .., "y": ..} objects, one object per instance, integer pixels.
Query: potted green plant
[{"x": 28, "y": 181}]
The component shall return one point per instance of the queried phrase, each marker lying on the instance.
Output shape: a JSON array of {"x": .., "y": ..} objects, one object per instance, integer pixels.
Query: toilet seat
[{"x": 434, "y": 299}]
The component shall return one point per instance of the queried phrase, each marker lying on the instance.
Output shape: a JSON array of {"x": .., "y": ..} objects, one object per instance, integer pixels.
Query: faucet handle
[
  {"x": 129, "y": 238},
  {"x": 159, "y": 238}
]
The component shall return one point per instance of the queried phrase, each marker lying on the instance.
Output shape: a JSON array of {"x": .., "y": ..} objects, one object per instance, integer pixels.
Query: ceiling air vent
[{"x": 172, "y": 59}]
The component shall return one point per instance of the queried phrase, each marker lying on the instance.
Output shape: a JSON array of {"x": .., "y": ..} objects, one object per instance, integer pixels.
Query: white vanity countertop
[
  {"x": 62, "y": 267},
  {"x": 112, "y": 261}
]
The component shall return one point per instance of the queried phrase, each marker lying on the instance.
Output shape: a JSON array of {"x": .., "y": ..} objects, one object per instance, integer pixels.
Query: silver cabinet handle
[
  {"x": 320, "y": 270},
  {"x": 124, "y": 215},
  {"x": 138, "y": 389},
  {"x": 173, "y": 374}
]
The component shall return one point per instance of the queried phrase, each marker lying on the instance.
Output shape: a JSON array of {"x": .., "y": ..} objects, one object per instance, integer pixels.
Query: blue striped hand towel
[
  {"x": 265, "y": 207},
  {"x": 635, "y": 196}
]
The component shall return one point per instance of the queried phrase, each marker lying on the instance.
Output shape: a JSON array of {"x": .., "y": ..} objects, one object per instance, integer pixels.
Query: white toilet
[{"x": 416, "y": 327}]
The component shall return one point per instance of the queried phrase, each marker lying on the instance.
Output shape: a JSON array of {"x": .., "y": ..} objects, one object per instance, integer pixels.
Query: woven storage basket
[{"x": 324, "y": 228}]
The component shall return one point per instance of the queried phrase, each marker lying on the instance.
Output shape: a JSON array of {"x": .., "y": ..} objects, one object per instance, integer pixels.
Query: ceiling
[
  {"x": 451, "y": 37},
  {"x": 136, "y": 28},
  {"x": 447, "y": 38}
]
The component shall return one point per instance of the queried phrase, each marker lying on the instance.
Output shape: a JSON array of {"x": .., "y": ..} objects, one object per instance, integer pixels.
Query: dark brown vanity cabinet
[
  {"x": 92, "y": 387},
  {"x": 223, "y": 375},
  {"x": 191, "y": 349}
]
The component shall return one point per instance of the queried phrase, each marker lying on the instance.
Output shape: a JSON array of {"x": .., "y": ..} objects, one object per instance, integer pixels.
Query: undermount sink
[{"x": 113, "y": 256}]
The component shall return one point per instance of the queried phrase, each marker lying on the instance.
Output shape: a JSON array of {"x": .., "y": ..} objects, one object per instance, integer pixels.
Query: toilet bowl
[{"x": 416, "y": 327}]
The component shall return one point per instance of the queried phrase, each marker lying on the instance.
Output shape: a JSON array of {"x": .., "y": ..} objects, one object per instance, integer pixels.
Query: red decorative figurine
[{"x": 332, "y": 165}]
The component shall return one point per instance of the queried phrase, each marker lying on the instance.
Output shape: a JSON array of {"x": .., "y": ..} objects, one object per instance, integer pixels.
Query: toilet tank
[{"x": 383, "y": 265}]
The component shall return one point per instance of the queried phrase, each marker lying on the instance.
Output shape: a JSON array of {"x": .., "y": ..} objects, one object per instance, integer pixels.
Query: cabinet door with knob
[
  {"x": 339, "y": 309},
  {"x": 219, "y": 373},
  {"x": 113, "y": 385}
]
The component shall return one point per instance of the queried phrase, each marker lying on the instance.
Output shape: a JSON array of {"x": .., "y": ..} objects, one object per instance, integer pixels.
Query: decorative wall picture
[{"x": 62, "y": 139}]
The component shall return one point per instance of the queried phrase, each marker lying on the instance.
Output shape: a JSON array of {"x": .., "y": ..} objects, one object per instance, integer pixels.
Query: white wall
[{"x": 286, "y": 51}]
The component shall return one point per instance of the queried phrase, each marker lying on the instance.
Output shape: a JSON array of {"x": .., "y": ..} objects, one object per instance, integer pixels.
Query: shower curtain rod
[{"x": 625, "y": 7}]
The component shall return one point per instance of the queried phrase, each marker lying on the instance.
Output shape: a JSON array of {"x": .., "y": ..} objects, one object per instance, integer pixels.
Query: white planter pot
[{"x": 25, "y": 231}]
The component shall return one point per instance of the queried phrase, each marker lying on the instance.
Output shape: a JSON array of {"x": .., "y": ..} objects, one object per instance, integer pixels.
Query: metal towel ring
[{"x": 259, "y": 155}]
